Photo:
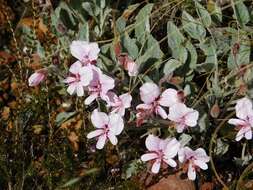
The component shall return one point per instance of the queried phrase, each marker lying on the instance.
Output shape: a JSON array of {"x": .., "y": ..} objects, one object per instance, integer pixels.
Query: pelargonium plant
[
  {"x": 87, "y": 79},
  {"x": 119, "y": 94}
]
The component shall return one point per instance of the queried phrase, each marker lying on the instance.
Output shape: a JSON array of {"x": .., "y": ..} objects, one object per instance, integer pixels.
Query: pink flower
[
  {"x": 183, "y": 116},
  {"x": 108, "y": 127},
  {"x": 37, "y": 77},
  {"x": 244, "y": 112},
  {"x": 118, "y": 103},
  {"x": 153, "y": 101},
  {"x": 128, "y": 64},
  {"x": 80, "y": 76},
  {"x": 85, "y": 52},
  {"x": 99, "y": 85},
  {"x": 193, "y": 160},
  {"x": 160, "y": 151}
]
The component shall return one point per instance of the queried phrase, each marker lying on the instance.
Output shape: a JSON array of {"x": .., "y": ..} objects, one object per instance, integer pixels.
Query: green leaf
[
  {"x": 89, "y": 8},
  {"x": 64, "y": 116},
  {"x": 120, "y": 24},
  {"x": 131, "y": 47},
  {"x": 184, "y": 139},
  {"x": 205, "y": 67},
  {"x": 193, "y": 27},
  {"x": 221, "y": 148},
  {"x": 192, "y": 55},
  {"x": 63, "y": 8},
  {"x": 175, "y": 37},
  {"x": 215, "y": 10},
  {"x": 203, "y": 14},
  {"x": 203, "y": 123},
  {"x": 175, "y": 42},
  {"x": 210, "y": 51},
  {"x": 71, "y": 182},
  {"x": 83, "y": 33},
  {"x": 151, "y": 50},
  {"x": 132, "y": 169},
  {"x": 142, "y": 25},
  {"x": 171, "y": 66},
  {"x": 241, "y": 13}
]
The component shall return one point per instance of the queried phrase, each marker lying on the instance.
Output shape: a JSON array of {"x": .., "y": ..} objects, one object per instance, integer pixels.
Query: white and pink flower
[
  {"x": 160, "y": 151},
  {"x": 244, "y": 123},
  {"x": 36, "y": 78},
  {"x": 154, "y": 100},
  {"x": 80, "y": 77},
  {"x": 108, "y": 127},
  {"x": 85, "y": 52},
  {"x": 118, "y": 103},
  {"x": 183, "y": 117},
  {"x": 128, "y": 64},
  {"x": 193, "y": 160},
  {"x": 99, "y": 85}
]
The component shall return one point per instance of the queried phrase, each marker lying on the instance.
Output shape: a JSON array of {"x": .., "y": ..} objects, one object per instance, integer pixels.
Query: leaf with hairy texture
[
  {"x": 241, "y": 12},
  {"x": 193, "y": 27},
  {"x": 142, "y": 25},
  {"x": 176, "y": 41},
  {"x": 203, "y": 14},
  {"x": 171, "y": 66}
]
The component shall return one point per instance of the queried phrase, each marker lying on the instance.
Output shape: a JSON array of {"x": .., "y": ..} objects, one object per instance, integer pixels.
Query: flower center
[
  {"x": 106, "y": 129},
  {"x": 95, "y": 87},
  {"x": 86, "y": 60},
  {"x": 78, "y": 78}
]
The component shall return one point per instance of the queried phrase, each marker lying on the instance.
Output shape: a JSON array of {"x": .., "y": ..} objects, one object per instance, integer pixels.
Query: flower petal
[
  {"x": 132, "y": 68},
  {"x": 191, "y": 117},
  {"x": 148, "y": 156},
  {"x": 200, "y": 164},
  {"x": 107, "y": 83},
  {"x": 101, "y": 142},
  {"x": 113, "y": 139},
  {"x": 144, "y": 107},
  {"x": 149, "y": 92},
  {"x": 170, "y": 162},
  {"x": 177, "y": 111},
  {"x": 116, "y": 123},
  {"x": 161, "y": 112},
  {"x": 79, "y": 90},
  {"x": 243, "y": 108},
  {"x": 79, "y": 49},
  {"x": 71, "y": 88},
  {"x": 181, "y": 155},
  {"x": 248, "y": 134},
  {"x": 126, "y": 99},
  {"x": 191, "y": 172},
  {"x": 152, "y": 143},
  {"x": 99, "y": 119},
  {"x": 169, "y": 97},
  {"x": 94, "y": 133},
  {"x": 75, "y": 67},
  {"x": 237, "y": 122},
  {"x": 90, "y": 99},
  {"x": 156, "y": 167},
  {"x": 69, "y": 80},
  {"x": 86, "y": 75},
  {"x": 172, "y": 148},
  {"x": 200, "y": 153},
  {"x": 36, "y": 78}
]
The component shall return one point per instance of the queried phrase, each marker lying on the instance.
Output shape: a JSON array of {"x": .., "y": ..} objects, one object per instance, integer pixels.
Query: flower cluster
[
  {"x": 154, "y": 101},
  {"x": 86, "y": 76},
  {"x": 87, "y": 79},
  {"x": 244, "y": 120},
  {"x": 163, "y": 151}
]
